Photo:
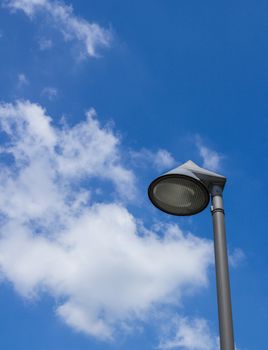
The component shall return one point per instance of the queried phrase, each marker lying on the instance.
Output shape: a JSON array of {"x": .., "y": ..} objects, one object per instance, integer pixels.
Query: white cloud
[
  {"x": 161, "y": 159},
  {"x": 22, "y": 80},
  {"x": 211, "y": 158},
  {"x": 190, "y": 334},
  {"x": 104, "y": 269},
  {"x": 237, "y": 257},
  {"x": 49, "y": 92},
  {"x": 89, "y": 35},
  {"x": 45, "y": 44},
  {"x": 82, "y": 151}
]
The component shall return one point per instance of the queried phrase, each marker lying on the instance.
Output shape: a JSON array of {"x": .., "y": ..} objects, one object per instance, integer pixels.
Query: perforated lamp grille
[{"x": 178, "y": 194}]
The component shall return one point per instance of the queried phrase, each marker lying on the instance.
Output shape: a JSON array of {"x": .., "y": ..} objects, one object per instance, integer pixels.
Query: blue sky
[{"x": 97, "y": 99}]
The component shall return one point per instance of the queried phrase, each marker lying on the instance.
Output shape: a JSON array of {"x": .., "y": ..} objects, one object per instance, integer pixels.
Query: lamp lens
[{"x": 180, "y": 196}]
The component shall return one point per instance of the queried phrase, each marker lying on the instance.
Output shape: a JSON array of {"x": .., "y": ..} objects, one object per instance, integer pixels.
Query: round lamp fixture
[
  {"x": 179, "y": 194},
  {"x": 186, "y": 190}
]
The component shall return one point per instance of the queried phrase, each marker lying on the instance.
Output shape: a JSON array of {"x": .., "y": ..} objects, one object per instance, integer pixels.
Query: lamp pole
[
  {"x": 222, "y": 271},
  {"x": 186, "y": 190}
]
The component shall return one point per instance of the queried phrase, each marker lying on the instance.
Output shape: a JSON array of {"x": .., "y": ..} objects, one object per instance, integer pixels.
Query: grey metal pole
[{"x": 222, "y": 272}]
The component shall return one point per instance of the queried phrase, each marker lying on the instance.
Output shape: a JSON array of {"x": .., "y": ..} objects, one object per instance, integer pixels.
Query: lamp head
[{"x": 184, "y": 190}]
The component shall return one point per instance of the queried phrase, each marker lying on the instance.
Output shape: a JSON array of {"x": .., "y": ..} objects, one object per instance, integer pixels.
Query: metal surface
[{"x": 222, "y": 273}]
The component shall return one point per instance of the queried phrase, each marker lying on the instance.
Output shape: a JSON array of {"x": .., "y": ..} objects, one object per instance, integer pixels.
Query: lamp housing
[{"x": 185, "y": 190}]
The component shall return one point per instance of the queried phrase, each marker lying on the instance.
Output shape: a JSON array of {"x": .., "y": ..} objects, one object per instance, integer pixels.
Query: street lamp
[{"x": 186, "y": 190}]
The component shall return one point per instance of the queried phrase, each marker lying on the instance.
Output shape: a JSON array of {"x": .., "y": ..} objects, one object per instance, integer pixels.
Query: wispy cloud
[
  {"x": 22, "y": 80},
  {"x": 49, "y": 92},
  {"x": 73, "y": 28},
  {"x": 211, "y": 158},
  {"x": 99, "y": 263},
  {"x": 189, "y": 334},
  {"x": 45, "y": 44},
  {"x": 237, "y": 257},
  {"x": 161, "y": 159}
]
